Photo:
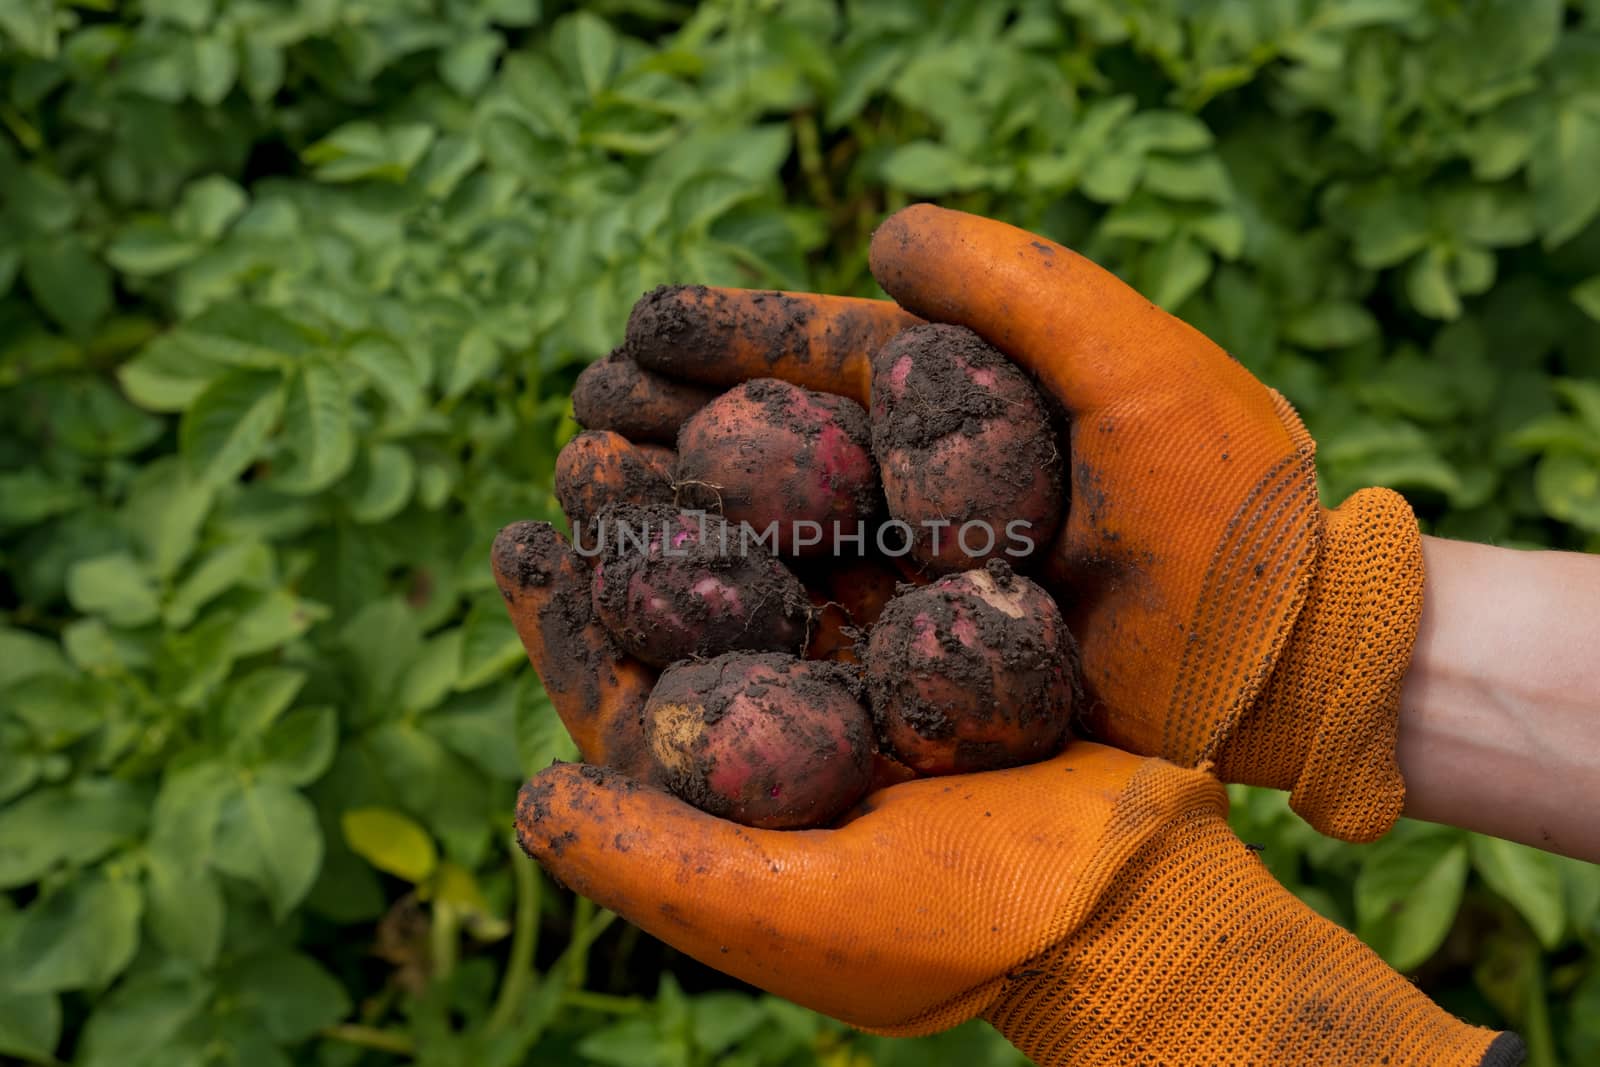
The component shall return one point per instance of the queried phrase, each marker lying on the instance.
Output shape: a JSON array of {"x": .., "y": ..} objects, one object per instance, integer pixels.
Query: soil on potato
[
  {"x": 955, "y": 387},
  {"x": 794, "y": 694},
  {"x": 725, "y": 468},
  {"x": 1013, "y": 649},
  {"x": 772, "y": 614}
]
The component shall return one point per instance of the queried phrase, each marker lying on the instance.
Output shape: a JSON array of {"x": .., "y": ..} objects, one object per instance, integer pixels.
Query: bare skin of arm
[{"x": 1500, "y": 712}]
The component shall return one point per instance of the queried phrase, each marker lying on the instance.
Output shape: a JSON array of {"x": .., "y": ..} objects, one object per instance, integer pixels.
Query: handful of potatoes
[{"x": 911, "y": 647}]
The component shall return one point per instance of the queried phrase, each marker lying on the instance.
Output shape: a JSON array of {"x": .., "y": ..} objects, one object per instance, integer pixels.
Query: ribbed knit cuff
[{"x": 1327, "y": 723}]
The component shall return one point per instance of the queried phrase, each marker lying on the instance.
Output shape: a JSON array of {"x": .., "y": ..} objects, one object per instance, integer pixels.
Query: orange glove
[
  {"x": 1225, "y": 617},
  {"x": 1096, "y": 909}
]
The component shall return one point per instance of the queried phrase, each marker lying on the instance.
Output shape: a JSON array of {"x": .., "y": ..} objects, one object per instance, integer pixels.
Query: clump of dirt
[{"x": 671, "y": 585}]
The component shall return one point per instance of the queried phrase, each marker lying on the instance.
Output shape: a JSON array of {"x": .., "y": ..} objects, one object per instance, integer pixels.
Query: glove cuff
[
  {"x": 1196, "y": 955},
  {"x": 1327, "y": 722}
]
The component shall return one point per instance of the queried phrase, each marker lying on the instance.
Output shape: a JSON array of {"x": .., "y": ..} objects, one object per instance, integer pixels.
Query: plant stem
[
  {"x": 442, "y": 941},
  {"x": 614, "y": 1005},
  {"x": 371, "y": 1037},
  {"x": 524, "y": 941},
  {"x": 582, "y": 916}
]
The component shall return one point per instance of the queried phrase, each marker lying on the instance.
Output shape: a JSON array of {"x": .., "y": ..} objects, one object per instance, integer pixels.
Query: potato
[
  {"x": 670, "y": 585},
  {"x": 974, "y": 672},
  {"x": 598, "y": 467},
  {"x": 965, "y": 448},
  {"x": 617, "y": 394},
  {"x": 770, "y": 453},
  {"x": 765, "y": 740}
]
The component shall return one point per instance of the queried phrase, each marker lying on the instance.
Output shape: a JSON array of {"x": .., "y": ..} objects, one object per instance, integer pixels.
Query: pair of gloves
[{"x": 1095, "y": 908}]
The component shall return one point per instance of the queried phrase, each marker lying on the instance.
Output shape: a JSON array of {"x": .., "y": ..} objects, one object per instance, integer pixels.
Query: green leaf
[
  {"x": 184, "y": 907},
  {"x": 29, "y": 496},
  {"x": 236, "y": 563},
  {"x": 255, "y": 701},
  {"x": 466, "y": 65},
  {"x": 1174, "y": 270},
  {"x": 1565, "y": 159},
  {"x": 299, "y": 748},
  {"x": 249, "y": 335},
  {"x": 209, "y": 206},
  {"x": 272, "y": 619},
  {"x": 70, "y": 284},
  {"x": 229, "y": 424},
  {"x": 1331, "y": 325},
  {"x": 476, "y": 357},
  {"x": 365, "y": 151},
  {"x": 392, "y": 370},
  {"x": 593, "y": 47},
  {"x": 1529, "y": 879},
  {"x": 432, "y": 673},
  {"x": 317, "y": 428},
  {"x": 1568, "y": 487},
  {"x": 926, "y": 168},
  {"x": 149, "y": 247},
  {"x": 1407, "y": 892},
  {"x": 80, "y": 937},
  {"x": 489, "y": 645},
  {"x": 391, "y": 841},
  {"x": 290, "y": 993},
  {"x": 722, "y": 1019},
  {"x": 268, "y": 836},
  {"x": 1428, "y": 285},
  {"x": 1587, "y": 296},
  {"x": 76, "y": 824},
  {"x": 33, "y": 25},
  {"x": 213, "y": 68},
  {"x": 168, "y": 374},
  {"x": 60, "y": 708},
  {"x": 24, "y": 654},
  {"x": 141, "y": 1017},
  {"x": 116, "y": 587},
  {"x": 30, "y": 1024},
  {"x": 1190, "y": 178},
  {"x": 381, "y": 484},
  {"x": 1165, "y": 131},
  {"x": 188, "y": 808},
  {"x": 165, "y": 511}
]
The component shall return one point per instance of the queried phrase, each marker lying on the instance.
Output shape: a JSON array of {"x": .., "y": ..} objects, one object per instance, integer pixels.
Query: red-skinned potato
[
  {"x": 768, "y": 452},
  {"x": 965, "y": 448},
  {"x": 671, "y": 585},
  {"x": 766, "y": 740},
  {"x": 974, "y": 672}
]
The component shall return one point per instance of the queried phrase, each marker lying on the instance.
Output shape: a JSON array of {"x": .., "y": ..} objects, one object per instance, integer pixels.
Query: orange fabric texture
[
  {"x": 1095, "y": 908},
  {"x": 1194, "y": 541}
]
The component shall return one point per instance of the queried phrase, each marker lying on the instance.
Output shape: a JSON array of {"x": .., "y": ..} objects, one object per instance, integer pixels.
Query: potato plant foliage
[{"x": 292, "y": 296}]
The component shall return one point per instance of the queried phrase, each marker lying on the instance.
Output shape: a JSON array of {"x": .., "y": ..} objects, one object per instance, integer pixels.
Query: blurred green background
[{"x": 292, "y": 293}]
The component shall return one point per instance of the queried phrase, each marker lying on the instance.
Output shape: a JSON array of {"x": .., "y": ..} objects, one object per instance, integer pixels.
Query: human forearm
[{"x": 1500, "y": 711}]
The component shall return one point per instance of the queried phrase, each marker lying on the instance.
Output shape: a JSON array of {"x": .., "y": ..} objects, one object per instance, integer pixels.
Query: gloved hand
[
  {"x": 1225, "y": 617},
  {"x": 1096, "y": 909}
]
